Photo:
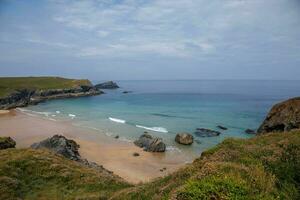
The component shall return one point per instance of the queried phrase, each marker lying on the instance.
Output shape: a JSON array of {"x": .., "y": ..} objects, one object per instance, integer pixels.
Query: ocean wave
[
  {"x": 58, "y": 112},
  {"x": 172, "y": 148},
  {"x": 34, "y": 112},
  {"x": 156, "y": 129},
  {"x": 72, "y": 116},
  {"x": 117, "y": 120}
]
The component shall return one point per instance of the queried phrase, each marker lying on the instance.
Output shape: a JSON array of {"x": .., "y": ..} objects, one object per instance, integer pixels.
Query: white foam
[
  {"x": 156, "y": 129},
  {"x": 172, "y": 148},
  {"x": 57, "y": 111},
  {"x": 125, "y": 140},
  {"x": 34, "y": 112},
  {"x": 72, "y": 116},
  {"x": 117, "y": 120},
  {"x": 53, "y": 115}
]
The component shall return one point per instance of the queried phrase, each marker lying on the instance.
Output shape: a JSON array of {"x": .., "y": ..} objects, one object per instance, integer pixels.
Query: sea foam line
[
  {"x": 156, "y": 129},
  {"x": 117, "y": 120}
]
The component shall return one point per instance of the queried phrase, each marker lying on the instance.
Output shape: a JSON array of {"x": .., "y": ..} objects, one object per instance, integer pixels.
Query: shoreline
[{"x": 113, "y": 154}]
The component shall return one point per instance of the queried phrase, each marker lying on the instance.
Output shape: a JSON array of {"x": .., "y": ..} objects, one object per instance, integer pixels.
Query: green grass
[
  {"x": 11, "y": 84},
  {"x": 265, "y": 167},
  {"x": 39, "y": 174}
]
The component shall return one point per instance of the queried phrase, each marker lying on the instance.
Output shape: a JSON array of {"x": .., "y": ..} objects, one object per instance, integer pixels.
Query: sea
[{"x": 164, "y": 108}]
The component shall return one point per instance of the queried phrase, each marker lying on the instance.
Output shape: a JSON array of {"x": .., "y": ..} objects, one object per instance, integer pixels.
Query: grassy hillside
[
  {"x": 37, "y": 174},
  {"x": 264, "y": 167},
  {"x": 10, "y": 84}
]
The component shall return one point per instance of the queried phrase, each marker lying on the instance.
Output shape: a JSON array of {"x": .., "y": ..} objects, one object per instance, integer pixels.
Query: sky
[{"x": 151, "y": 39}]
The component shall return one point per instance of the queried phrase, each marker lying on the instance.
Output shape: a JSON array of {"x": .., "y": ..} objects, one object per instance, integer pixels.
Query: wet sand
[{"x": 113, "y": 154}]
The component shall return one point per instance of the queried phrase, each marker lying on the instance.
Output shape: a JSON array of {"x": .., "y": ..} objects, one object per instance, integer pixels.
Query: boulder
[
  {"x": 60, "y": 145},
  {"x": 222, "y": 127},
  {"x": 151, "y": 144},
  {"x": 7, "y": 142},
  {"x": 284, "y": 116},
  {"x": 203, "y": 132},
  {"x": 184, "y": 138},
  {"x": 126, "y": 92},
  {"x": 250, "y": 131},
  {"x": 107, "y": 85}
]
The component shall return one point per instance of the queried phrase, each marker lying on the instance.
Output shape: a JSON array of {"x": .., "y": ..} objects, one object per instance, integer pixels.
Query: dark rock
[
  {"x": 25, "y": 97},
  {"x": 250, "y": 131},
  {"x": 203, "y": 132},
  {"x": 117, "y": 137},
  {"x": 284, "y": 116},
  {"x": 126, "y": 92},
  {"x": 67, "y": 148},
  {"x": 151, "y": 144},
  {"x": 7, "y": 142},
  {"x": 107, "y": 85},
  {"x": 222, "y": 127},
  {"x": 135, "y": 154},
  {"x": 60, "y": 145},
  {"x": 184, "y": 138}
]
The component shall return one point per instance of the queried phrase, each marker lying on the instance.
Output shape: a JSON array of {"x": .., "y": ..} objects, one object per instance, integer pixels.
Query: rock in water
[
  {"x": 151, "y": 144},
  {"x": 184, "y": 138},
  {"x": 7, "y": 142},
  {"x": 222, "y": 127},
  {"x": 107, "y": 85},
  {"x": 60, "y": 145},
  {"x": 284, "y": 116},
  {"x": 250, "y": 131},
  {"x": 203, "y": 132}
]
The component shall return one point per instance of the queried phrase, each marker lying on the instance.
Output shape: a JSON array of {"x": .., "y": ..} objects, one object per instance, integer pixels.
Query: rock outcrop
[
  {"x": 222, "y": 127},
  {"x": 203, "y": 132},
  {"x": 284, "y": 116},
  {"x": 184, "y": 138},
  {"x": 151, "y": 144},
  {"x": 67, "y": 148},
  {"x": 25, "y": 97},
  {"x": 107, "y": 85},
  {"x": 250, "y": 131},
  {"x": 7, "y": 142}
]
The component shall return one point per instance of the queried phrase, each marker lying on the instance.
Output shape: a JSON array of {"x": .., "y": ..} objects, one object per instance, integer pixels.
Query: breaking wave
[
  {"x": 117, "y": 120},
  {"x": 156, "y": 129}
]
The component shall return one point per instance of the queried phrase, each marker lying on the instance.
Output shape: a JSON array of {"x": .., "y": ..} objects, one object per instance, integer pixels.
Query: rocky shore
[{"x": 25, "y": 97}]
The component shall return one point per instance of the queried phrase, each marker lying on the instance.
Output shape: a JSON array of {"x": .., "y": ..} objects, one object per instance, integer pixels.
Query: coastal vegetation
[
  {"x": 9, "y": 85},
  {"x": 264, "y": 167}
]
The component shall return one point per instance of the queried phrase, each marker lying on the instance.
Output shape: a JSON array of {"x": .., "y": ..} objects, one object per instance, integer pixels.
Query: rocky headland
[
  {"x": 30, "y": 92},
  {"x": 107, "y": 85},
  {"x": 284, "y": 116}
]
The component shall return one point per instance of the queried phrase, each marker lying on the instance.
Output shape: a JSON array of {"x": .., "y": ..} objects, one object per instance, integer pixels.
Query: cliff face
[
  {"x": 24, "y": 97},
  {"x": 284, "y": 116}
]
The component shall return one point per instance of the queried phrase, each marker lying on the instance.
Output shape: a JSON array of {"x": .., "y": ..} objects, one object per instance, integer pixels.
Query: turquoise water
[{"x": 169, "y": 107}]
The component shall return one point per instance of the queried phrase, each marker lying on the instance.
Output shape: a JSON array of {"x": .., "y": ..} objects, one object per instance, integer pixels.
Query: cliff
[
  {"x": 23, "y": 91},
  {"x": 284, "y": 116}
]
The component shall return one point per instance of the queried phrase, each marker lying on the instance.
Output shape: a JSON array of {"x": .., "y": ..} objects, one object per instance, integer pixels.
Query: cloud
[{"x": 48, "y": 43}]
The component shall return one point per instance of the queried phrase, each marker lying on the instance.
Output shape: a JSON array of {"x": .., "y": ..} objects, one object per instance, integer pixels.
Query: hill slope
[
  {"x": 264, "y": 167},
  {"x": 39, "y": 174},
  {"x": 11, "y": 84}
]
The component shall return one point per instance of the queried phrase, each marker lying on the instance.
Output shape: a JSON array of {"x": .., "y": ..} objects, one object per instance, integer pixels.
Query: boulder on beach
[
  {"x": 60, "y": 145},
  {"x": 151, "y": 144},
  {"x": 107, "y": 85},
  {"x": 184, "y": 138},
  {"x": 250, "y": 131},
  {"x": 222, "y": 127},
  {"x": 203, "y": 132},
  {"x": 284, "y": 116},
  {"x": 7, "y": 142}
]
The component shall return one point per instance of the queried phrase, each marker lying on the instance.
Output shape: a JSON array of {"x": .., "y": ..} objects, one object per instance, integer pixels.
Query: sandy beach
[{"x": 113, "y": 154}]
